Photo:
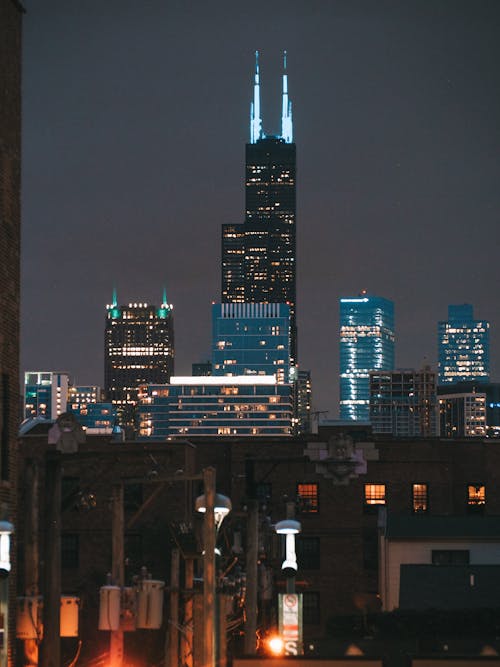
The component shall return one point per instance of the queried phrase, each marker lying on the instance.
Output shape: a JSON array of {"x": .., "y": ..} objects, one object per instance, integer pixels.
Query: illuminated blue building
[
  {"x": 366, "y": 344},
  {"x": 463, "y": 347},
  {"x": 45, "y": 394},
  {"x": 251, "y": 339},
  {"x": 215, "y": 406}
]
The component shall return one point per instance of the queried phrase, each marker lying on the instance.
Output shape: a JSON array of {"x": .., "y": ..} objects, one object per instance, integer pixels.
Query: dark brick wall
[{"x": 10, "y": 173}]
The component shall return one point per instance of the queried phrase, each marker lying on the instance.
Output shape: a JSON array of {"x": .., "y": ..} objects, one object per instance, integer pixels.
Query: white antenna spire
[
  {"x": 255, "y": 119},
  {"x": 286, "y": 111}
]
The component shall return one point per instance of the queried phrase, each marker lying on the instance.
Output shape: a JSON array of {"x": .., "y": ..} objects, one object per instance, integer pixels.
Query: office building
[
  {"x": 303, "y": 401},
  {"x": 403, "y": 403},
  {"x": 251, "y": 339},
  {"x": 45, "y": 394},
  {"x": 216, "y": 406},
  {"x": 465, "y": 415},
  {"x": 462, "y": 415},
  {"x": 259, "y": 255},
  {"x": 366, "y": 344},
  {"x": 463, "y": 347},
  {"x": 139, "y": 349}
]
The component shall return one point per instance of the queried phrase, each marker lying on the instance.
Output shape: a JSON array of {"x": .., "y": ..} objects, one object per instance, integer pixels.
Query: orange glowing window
[
  {"x": 309, "y": 497},
  {"x": 374, "y": 494}
]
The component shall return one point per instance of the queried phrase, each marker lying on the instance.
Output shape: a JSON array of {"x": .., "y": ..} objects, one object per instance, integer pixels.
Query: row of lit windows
[{"x": 375, "y": 494}]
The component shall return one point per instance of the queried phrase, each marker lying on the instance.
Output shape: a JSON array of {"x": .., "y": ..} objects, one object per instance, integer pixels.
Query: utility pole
[
  {"x": 172, "y": 652},
  {"x": 31, "y": 553},
  {"x": 251, "y": 569},
  {"x": 51, "y": 645},
  {"x": 209, "y": 608},
  {"x": 117, "y": 568}
]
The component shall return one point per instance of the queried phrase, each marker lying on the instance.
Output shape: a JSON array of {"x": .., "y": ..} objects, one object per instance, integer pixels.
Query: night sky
[{"x": 135, "y": 122}]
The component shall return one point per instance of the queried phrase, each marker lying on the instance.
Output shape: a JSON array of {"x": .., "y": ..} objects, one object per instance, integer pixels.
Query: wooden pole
[
  {"x": 117, "y": 568},
  {"x": 51, "y": 646},
  {"x": 187, "y": 646},
  {"x": 31, "y": 551},
  {"x": 209, "y": 568},
  {"x": 251, "y": 597},
  {"x": 172, "y": 653}
]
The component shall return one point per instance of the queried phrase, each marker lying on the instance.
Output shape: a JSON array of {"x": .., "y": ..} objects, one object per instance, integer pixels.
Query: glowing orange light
[{"x": 276, "y": 645}]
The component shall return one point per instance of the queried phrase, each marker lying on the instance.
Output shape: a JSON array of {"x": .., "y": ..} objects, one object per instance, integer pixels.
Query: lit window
[
  {"x": 476, "y": 497},
  {"x": 309, "y": 497},
  {"x": 419, "y": 498},
  {"x": 374, "y": 494}
]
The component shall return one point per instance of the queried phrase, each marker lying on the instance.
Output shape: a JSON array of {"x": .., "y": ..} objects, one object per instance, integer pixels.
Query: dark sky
[{"x": 135, "y": 123}]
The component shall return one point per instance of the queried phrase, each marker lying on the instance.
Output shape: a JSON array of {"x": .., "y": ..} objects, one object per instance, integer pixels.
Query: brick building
[
  {"x": 336, "y": 486},
  {"x": 10, "y": 174}
]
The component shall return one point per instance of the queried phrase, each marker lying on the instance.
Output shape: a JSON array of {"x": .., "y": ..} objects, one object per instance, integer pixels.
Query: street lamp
[
  {"x": 222, "y": 507},
  {"x": 289, "y": 528}
]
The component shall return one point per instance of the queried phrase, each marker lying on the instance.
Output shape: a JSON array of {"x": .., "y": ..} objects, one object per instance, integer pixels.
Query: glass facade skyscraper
[
  {"x": 251, "y": 339},
  {"x": 259, "y": 255},
  {"x": 139, "y": 349},
  {"x": 366, "y": 344},
  {"x": 463, "y": 347},
  {"x": 215, "y": 406}
]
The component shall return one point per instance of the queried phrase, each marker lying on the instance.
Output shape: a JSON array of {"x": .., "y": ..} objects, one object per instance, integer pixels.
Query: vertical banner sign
[{"x": 290, "y": 622}]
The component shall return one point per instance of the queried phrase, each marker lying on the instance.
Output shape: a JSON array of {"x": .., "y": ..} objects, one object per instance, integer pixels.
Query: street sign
[{"x": 290, "y": 622}]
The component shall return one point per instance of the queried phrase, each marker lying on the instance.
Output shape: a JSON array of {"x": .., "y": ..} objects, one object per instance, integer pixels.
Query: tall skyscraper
[
  {"x": 251, "y": 339},
  {"x": 463, "y": 347},
  {"x": 366, "y": 344},
  {"x": 259, "y": 255},
  {"x": 139, "y": 349}
]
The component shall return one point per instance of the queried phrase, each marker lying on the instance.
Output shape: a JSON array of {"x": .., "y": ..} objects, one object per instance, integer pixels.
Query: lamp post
[
  {"x": 290, "y": 611},
  {"x": 215, "y": 507}
]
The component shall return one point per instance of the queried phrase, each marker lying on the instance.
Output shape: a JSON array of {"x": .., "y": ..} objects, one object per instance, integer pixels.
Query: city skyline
[{"x": 396, "y": 124}]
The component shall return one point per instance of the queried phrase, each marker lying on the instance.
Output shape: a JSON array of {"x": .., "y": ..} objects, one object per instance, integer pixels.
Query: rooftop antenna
[
  {"x": 255, "y": 119},
  {"x": 286, "y": 112}
]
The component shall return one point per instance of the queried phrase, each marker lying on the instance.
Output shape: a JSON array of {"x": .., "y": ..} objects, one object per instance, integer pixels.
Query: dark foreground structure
[{"x": 373, "y": 513}]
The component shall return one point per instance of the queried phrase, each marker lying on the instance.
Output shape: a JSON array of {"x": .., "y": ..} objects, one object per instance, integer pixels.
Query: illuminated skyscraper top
[
  {"x": 256, "y": 131},
  {"x": 259, "y": 256}
]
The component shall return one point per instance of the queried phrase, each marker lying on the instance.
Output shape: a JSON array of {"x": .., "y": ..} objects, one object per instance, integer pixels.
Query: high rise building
[
  {"x": 366, "y": 344},
  {"x": 45, "y": 394},
  {"x": 303, "y": 402},
  {"x": 251, "y": 339},
  {"x": 463, "y": 347},
  {"x": 403, "y": 403},
  {"x": 463, "y": 415},
  {"x": 216, "y": 406},
  {"x": 139, "y": 349},
  {"x": 259, "y": 255}
]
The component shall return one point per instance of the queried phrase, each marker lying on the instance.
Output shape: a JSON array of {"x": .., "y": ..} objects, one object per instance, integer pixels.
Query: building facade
[
  {"x": 259, "y": 256},
  {"x": 463, "y": 347},
  {"x": 366, "y": 344},
  {"x": 216, "y": 406},
  {"x": 11, "y": 13},
  {"x": 463, "y": 415},
  {"x": 46, "y": 394},
  {"x": 139, "y": 349},
  {"x": 403, "y": 403},
  {"x": 251, "y": 339}
]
